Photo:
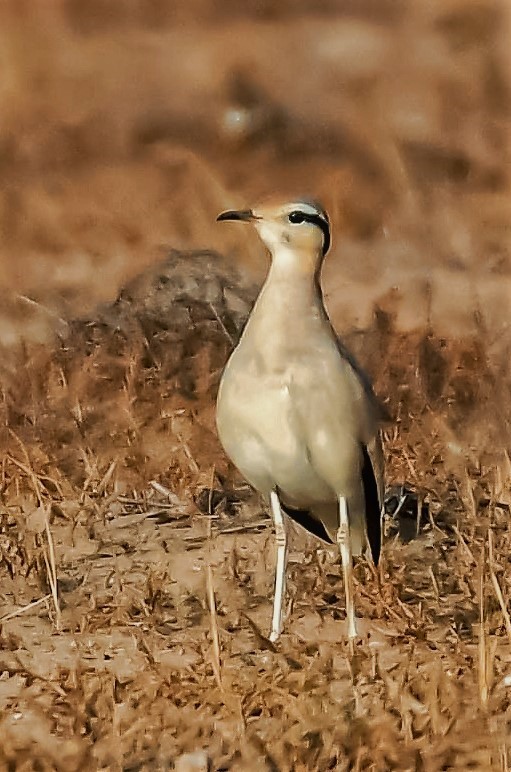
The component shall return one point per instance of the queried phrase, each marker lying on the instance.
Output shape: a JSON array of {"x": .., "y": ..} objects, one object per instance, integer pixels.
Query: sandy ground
[{"x": 136, "y": 566}]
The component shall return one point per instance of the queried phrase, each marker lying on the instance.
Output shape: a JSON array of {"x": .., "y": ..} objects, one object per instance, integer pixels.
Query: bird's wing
[
  {"x": 372, "y": 478},
  {"x": 375, "y": 453},
  {"x": 380, "y": 412}
]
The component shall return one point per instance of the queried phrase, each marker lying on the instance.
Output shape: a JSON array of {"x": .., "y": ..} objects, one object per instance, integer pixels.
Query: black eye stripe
[
  {"x": 325, "y": 228},
  {"x": 298, "y": 217}
]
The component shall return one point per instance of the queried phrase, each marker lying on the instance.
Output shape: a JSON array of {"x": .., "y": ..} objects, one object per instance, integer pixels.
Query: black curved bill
[{"x": 246, "y": 215}]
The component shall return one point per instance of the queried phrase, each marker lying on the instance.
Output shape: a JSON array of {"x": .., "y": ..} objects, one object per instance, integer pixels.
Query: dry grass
[
  {"x": 136, "y": 566},
  {"x": 162, "y": 608}
]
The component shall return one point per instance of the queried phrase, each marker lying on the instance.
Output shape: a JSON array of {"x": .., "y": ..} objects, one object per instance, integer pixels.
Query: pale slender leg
[
  {"x": 343, "y": 540},
  {"x": 280, "y": 569}
]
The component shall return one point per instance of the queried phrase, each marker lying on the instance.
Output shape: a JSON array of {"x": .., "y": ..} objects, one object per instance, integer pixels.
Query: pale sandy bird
[{"x": 295, "y": 414}]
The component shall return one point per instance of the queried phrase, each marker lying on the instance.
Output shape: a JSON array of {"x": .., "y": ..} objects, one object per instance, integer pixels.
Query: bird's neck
[
  {"x": 292, "y": 290},
  {"x": 294, "y": 265},
  {"x": 297, "y": 272}
]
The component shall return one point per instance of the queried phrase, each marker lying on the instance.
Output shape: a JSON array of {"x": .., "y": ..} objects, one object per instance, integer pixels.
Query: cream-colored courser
[{"x": 295, "y": 414}]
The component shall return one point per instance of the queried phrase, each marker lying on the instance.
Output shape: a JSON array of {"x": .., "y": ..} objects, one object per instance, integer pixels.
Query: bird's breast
[
  {"x": 263, "y": 407},
  {"x": 281, "y": 432}
]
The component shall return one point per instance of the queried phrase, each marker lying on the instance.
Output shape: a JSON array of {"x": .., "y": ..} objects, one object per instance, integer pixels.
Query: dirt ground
[{"x": 136, "y": 566}]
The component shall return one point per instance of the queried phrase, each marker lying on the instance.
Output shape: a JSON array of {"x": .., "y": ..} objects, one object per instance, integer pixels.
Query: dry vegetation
[{"x": 135, "y": 565}]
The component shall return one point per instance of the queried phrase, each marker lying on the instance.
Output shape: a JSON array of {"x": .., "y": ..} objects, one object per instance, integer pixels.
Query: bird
[{"x": 295, "y": 412}]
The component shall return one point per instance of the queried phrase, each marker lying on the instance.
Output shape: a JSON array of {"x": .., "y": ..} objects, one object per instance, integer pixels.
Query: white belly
[{"x": 268, "y": 437}]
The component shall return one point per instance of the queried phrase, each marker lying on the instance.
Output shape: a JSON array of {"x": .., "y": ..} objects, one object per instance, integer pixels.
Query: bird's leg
[
  {"x": 343, "y": 540},
  {"x": 280, "y": 569}
]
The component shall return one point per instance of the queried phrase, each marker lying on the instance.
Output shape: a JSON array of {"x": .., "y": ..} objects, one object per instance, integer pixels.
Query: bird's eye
[{"x": 296, "y": 217}]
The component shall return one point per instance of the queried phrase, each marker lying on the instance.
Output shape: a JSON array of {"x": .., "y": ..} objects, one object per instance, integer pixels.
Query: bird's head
[{"x": 300, "y": 226}]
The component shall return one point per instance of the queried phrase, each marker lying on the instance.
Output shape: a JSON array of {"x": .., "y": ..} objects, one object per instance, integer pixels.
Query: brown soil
[{"x": 136, "y": 565}]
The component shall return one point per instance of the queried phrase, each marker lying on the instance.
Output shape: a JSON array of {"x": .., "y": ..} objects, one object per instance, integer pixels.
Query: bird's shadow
[{"x": 406, "y": 513}]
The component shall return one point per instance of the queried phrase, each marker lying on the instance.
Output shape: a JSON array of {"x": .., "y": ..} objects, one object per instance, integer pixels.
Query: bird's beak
[{"x": 246, "y": 215}]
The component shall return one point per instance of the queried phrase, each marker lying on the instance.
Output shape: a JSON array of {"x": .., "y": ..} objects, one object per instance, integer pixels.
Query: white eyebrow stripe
[{"x": 301, "y": 206}]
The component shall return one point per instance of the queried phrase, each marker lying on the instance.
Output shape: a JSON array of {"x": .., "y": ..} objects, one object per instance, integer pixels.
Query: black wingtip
[
  {"x": 373, "y": 509},
  {"x": 304, "y": 518}
]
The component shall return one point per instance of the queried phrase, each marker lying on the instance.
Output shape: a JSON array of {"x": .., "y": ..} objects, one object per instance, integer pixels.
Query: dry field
[{"x": 136, "y": 566}]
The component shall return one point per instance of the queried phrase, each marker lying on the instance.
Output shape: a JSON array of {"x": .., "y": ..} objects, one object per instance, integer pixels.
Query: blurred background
[{"x": 127, "y": 126}]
